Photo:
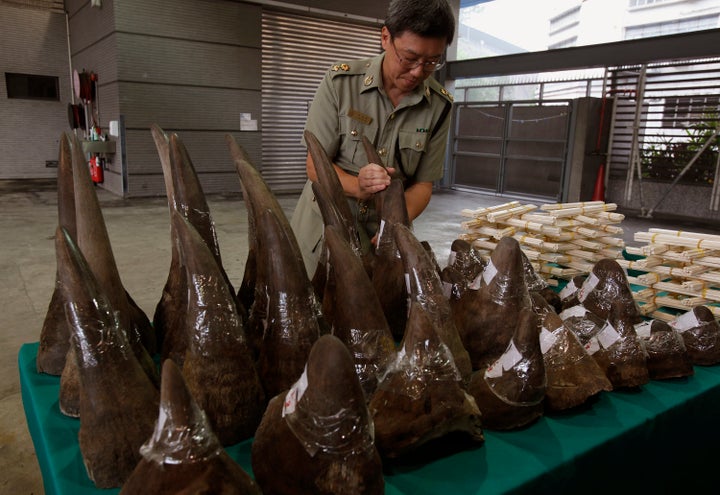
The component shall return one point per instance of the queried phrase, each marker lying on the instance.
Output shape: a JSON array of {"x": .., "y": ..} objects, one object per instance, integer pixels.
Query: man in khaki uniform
[{"x": 393, "y": 101}]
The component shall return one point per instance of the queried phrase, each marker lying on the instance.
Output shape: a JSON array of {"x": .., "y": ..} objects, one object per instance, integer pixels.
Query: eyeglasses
[{"x": 410, "y": 64}]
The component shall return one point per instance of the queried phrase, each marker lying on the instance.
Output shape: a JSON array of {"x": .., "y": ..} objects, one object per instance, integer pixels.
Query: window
[
  {"x": 671, "y": 27},
  {"x": 32, "y": 87},
  {"x": 643, "y": 3},
  {"x": 684, "y": 111},
  {"x": 572, "y": 41}
]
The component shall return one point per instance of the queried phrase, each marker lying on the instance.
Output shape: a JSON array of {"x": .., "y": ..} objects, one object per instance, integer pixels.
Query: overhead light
[{"x": 96, "y": 3}]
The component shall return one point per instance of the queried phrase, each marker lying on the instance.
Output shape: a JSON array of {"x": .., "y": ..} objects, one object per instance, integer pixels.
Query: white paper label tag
[
  {"x": 568, "y": 290},
  {"x": 476, "y": 283},
  {"x": 685, "y": 322},
  {"x": 509, "y": 359},
  {"x": 451, "y": 258},
  {"x": 295, "y": 394},
  {"x": 380, "y": 232},
  {"x": 578, "y": 310},
  {"x": 642, "y": 329},
  {"x": 489, "y": 273},
  {"x": 592, "y": 346},
  {"x": 588, "y": 286},
  {"x": 608, "y": 336},
  {"x": 548, "y": 339}
]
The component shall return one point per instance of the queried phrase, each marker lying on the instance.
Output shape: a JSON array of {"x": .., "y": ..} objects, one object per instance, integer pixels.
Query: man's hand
[{"x": 373, "y": 178}]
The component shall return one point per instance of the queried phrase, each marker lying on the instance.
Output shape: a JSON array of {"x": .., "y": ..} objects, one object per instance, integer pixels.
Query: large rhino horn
[
  {"x": 92, "y": 235},
  {"x": 189, "y": 195},
  {"x": 359, "y": 321},
  {"x": 89, "y": 312},
  {"x": 288, "y": 274},
  {"x": 256, "y": 193},
  {"x": 117, "y": 399},
  {"x": 162, "y": 143},
  {"x": 55, "y": 334},
  {"x": 66, "y": 188},
  {"x": 424, "y": 286},
  {"x": 94, "y": 243},
  {"x": 332, "y": 216},
  {"x": 327, "y": 176},
  {"x": 360, "y": 306}
]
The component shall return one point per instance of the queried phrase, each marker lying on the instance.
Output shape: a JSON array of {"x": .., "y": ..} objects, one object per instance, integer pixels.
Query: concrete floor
[{"x": 139, "y": 233}]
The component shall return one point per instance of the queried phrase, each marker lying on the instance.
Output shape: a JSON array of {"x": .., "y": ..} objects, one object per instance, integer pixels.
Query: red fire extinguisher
[{"x": 96, "y": 169}]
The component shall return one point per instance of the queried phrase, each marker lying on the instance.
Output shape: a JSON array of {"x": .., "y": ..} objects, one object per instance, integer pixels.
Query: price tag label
[
  {"x": 587, "y": 287},
  {"x": 685, "y": 322},
  {"x": 578, "y": 310},
  {"x": 548, "y": 339},
  {"x": 509, "y": 359},
  {"x": 295, "y": 394},
  {"x": 608, "y": 336},
  {"x": 489, "y": 273},
  {"x": 643, "y": 329},
  {"x": 568, "y": 290}
]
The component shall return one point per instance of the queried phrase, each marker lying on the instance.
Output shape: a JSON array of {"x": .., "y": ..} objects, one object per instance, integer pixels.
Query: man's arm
[
  {"x": 417, "y": 197},
  {"x": 372, "y": 178}
]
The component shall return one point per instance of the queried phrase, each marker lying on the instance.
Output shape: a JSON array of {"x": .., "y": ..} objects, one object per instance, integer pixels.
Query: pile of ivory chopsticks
[
  {"x": 561, "y": 240},
  {"x": 681, "y": 270}
]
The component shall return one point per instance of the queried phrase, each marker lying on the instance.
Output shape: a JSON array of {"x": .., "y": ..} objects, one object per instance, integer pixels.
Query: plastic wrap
[
  {"x": 372, "y": 354},
  {"x": 582, "y": 323},
  {"x": 344, "y": 433},
  {"x": 664, "y": 349},
  {"x": 209, "y": 316},
  {"x": 465, "y": 260},
  {"x": 533, "y": 281},
  {"x": 98, "y": 336},
  {"x": 701, "y": 334},
  {"x": 425, "y": 362},
  {"x": 607, "y": 285},
  {"x": 502, "y": 285},
  {"x": 512, "y": 378},
  {"x": 556, "y": 346},
  {"x": 422, "y": 395},
  {"x": 618, "y": 350},
  {"x": 453, "y": 283},
  {"x": 573, "y": 376},
  {"x": 177, "y": 441}
]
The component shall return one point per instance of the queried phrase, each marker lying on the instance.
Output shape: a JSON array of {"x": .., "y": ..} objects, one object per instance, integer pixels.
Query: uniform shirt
[{"x": 350, "y": 102}]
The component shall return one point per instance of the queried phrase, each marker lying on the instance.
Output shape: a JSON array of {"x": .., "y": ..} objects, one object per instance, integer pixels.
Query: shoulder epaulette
[
  {"x": 352, "y": 67},
  {"x": 438, "y": 88}
]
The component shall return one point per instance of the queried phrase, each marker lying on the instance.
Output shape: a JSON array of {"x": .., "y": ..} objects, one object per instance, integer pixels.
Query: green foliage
[{"x": 664, "y": 157}]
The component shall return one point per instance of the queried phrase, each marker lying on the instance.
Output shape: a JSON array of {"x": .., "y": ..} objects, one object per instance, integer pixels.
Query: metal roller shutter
[{"x": 296, "y": 53}]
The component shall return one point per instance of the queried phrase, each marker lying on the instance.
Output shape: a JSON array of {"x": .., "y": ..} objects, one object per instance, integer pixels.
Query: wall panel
[{"x": 33, "y": 42}]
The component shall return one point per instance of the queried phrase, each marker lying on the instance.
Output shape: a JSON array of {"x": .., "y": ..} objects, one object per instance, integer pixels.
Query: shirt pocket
[
  {"x": 412, "y": 146},
  {"x": 352, "y": 153}
]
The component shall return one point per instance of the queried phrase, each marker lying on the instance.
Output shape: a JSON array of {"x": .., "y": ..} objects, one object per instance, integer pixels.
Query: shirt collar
[{"x": 373, "y": 80}]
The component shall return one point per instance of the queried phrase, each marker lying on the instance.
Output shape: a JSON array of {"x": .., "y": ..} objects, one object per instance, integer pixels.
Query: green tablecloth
[{"x": 663, "y": 437}]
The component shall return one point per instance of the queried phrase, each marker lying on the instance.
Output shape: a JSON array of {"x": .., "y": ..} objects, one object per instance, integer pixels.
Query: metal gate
[
  {"x": 511, "y": 148},
  {"x": 296, "y": 53}
]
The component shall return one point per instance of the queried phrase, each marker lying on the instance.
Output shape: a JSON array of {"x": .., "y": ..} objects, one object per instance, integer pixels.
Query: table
[{"x": 662, "y": 437}]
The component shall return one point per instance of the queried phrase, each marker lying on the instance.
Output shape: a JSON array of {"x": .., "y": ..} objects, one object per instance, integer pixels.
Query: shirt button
[
  {"x": 418, "y": 144},
  {"x": 382, "y": 152},
  {"x": 353, "y": 132},
  {"x": 392, "y": 116}
]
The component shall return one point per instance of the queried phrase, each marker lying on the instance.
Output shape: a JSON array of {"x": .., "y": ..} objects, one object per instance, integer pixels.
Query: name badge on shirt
[{"x": 359, "y": 116}]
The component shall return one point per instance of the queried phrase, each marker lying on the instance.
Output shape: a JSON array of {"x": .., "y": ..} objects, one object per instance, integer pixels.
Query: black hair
[{"x": 427, "y": 18}]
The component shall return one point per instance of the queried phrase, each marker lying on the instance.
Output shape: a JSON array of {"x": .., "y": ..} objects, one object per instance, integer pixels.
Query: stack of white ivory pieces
[
  {"x": 561, "y": 240},
  {"x": 681, "y": 271}
]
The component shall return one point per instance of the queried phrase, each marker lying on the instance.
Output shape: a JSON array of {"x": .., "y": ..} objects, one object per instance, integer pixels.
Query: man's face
[{"x": 409, "y": 58}]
